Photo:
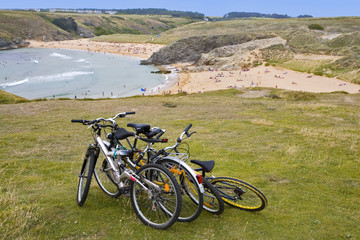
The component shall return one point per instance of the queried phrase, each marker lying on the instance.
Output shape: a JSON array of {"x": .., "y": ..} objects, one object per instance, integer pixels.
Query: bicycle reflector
[
  {"x": 164, "y": 140},
  {"x": 199, "y": 178}
]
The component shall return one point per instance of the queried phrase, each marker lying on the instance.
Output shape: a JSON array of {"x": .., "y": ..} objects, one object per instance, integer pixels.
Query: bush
[
  {"x": 316, "y": 26},
  {"x": 100, "y": 31}
]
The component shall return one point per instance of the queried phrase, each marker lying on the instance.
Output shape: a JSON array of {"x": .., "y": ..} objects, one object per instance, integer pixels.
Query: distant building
[{"x": 111, "y": 12}]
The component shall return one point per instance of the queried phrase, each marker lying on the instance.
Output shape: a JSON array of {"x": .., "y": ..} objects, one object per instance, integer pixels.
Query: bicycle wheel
[
  {"x": 240, "y": 194},
  {"x": 104, "y": 176},
  {"x": 212, "y": 199},
  {"x": 155, "y": 196},
  {"x": 85, "y": 177},
  {"x": 192, "y": 198}
]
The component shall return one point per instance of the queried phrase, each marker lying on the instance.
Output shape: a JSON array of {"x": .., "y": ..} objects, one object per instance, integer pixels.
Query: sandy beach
[
  {"x": 140, "y": 50},
  {"x": 261, "y": 76},
  {"x": 196, "y": 82}
]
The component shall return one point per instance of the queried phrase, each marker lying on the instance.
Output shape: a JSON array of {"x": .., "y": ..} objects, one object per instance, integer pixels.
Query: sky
[{"x": 316, "y": 8}]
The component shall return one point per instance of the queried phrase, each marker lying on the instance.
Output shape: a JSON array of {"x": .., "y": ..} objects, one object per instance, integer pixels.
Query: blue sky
[{"x": 317, "y": 8}]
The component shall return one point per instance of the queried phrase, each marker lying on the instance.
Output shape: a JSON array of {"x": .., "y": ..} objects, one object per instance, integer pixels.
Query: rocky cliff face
[
  {"x": 8, "y": 44},
  {"x": 235, "y": 56},
  {"x": 190, "y": 49}
]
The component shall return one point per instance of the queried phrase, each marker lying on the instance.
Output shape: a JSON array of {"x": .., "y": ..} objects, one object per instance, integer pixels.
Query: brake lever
[{"x": 189, "y": 134}]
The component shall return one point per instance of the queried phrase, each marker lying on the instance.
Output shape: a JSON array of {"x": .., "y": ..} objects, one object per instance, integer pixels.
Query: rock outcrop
[
  {"x": 190, "y": 49},
  {"x": 235, "y": 56},
  {"x": 8, "y": 44}
]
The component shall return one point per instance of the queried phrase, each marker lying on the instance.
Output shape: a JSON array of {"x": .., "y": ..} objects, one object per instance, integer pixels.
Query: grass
[
  {"x": 300, "y": 151},
  {"x": 6, "y": 97}
]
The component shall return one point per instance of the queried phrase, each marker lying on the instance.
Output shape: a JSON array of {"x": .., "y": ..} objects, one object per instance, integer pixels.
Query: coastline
[
  {"x": 137, "y": 50},
  {"x": 196, "y": 82}
]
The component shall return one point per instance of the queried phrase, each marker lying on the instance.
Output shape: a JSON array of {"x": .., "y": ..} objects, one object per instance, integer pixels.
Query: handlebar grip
[
  {"x": 187, "y": 128},
  {"x": 127, "y": 113},
  {"x": 78, "y": 121},
  {"x": 93, "y": 121}
]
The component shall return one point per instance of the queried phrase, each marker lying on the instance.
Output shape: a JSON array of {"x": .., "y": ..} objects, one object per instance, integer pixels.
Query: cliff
[{"x": 190, "y": 49}]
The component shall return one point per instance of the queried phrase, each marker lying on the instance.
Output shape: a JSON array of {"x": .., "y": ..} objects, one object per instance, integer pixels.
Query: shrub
[{"x": 316, "y": 26}]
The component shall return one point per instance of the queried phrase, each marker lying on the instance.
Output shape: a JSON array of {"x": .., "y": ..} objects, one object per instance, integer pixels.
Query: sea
[{"x": 35, "y": 73}]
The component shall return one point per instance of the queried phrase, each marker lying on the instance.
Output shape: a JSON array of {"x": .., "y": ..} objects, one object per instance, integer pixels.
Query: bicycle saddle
[
  {"x": 207, "y": 166},
  {"x": 145, "y": 129},
  {"x": 122, "y": 133},
  {"x": 140, "y": 128}
]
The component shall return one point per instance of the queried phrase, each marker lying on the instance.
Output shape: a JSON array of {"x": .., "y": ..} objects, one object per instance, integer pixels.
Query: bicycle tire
[
  {"x": 163, "y": 208},
  {"x": 240, "y": 194},
  {"x": 213, "y": 202},
  {"x": 192, "y": 198},
  {"x": 104, "y": 177},
  {"x": 85, "y": 175}
]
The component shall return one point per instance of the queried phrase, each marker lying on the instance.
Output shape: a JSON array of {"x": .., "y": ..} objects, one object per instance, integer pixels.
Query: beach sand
[
  {"x": 261, "y": 76},
  {"x": 140, "y": 50},
  {"x": 196, "y": 82}
]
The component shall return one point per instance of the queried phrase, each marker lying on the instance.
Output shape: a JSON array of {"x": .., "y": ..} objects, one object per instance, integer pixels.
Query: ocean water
[{"x": 47, "y": 73}]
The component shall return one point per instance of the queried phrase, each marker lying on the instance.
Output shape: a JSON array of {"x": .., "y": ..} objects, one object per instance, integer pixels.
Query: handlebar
[{"x": 112, "y": 120}]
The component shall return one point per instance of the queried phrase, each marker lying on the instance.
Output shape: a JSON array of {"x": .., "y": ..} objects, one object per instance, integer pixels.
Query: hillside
[
  {"x": 6, "y": 98},
  {"x": 63, "y": 26}
]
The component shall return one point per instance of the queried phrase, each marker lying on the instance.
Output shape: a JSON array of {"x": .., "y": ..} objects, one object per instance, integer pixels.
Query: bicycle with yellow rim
[{"x": 232, "y": 191}]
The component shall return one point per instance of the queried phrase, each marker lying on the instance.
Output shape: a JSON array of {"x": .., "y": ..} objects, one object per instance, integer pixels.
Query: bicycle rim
[
  {"x": 85, "y": 178},
  {"x": 240, "y": 194}
]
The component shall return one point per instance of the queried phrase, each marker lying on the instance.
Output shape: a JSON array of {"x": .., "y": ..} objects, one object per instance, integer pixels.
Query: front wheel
[
  {"x": 104, "y": 176},
  {"x": 239, "y": 194},
  {"x": 155, "y": 196},
  {"x": 85, "y": 177}
]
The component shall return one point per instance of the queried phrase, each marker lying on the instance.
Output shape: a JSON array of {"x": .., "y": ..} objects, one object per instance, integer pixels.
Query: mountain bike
[
  {"x": 154, "y": 192},
  {"x": 175, "y": 160}
]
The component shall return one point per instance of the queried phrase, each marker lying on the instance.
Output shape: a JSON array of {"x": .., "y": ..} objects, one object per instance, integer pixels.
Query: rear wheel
[
  {"x": 85, "y": 177},
  {"x": 155, "y": 196},
  {"x": 240, "y": 194},
  {"x": 212, "y": 199},
  {"x": 104, "y": 176}
]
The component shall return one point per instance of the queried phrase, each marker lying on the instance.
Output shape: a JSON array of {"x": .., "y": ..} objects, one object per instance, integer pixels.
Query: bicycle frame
[{"x": 127, "y": 174}]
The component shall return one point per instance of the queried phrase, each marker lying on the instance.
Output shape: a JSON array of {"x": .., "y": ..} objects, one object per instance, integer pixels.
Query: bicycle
[
  {"x": 175, "y": 161},
  {"x": 192, "y": 189},
  {"x": 232, "y": 191},
  {"x": 154, "y": 192}
]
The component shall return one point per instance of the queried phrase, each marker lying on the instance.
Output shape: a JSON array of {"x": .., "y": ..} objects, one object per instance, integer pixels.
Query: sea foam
[
  {"x": 59, "y": 77},
  {"x": 62, "y": 56},
  {"x": 4, "y": 85}
]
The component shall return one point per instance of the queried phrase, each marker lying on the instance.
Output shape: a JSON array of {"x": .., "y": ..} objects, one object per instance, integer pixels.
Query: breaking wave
[
  {"x": 62, "y": 56},
  {"x": 4, "y": 85}
]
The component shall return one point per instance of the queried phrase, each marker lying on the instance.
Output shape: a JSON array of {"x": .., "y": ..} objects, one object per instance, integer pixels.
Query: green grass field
[{"x": 301, "y": 150}]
